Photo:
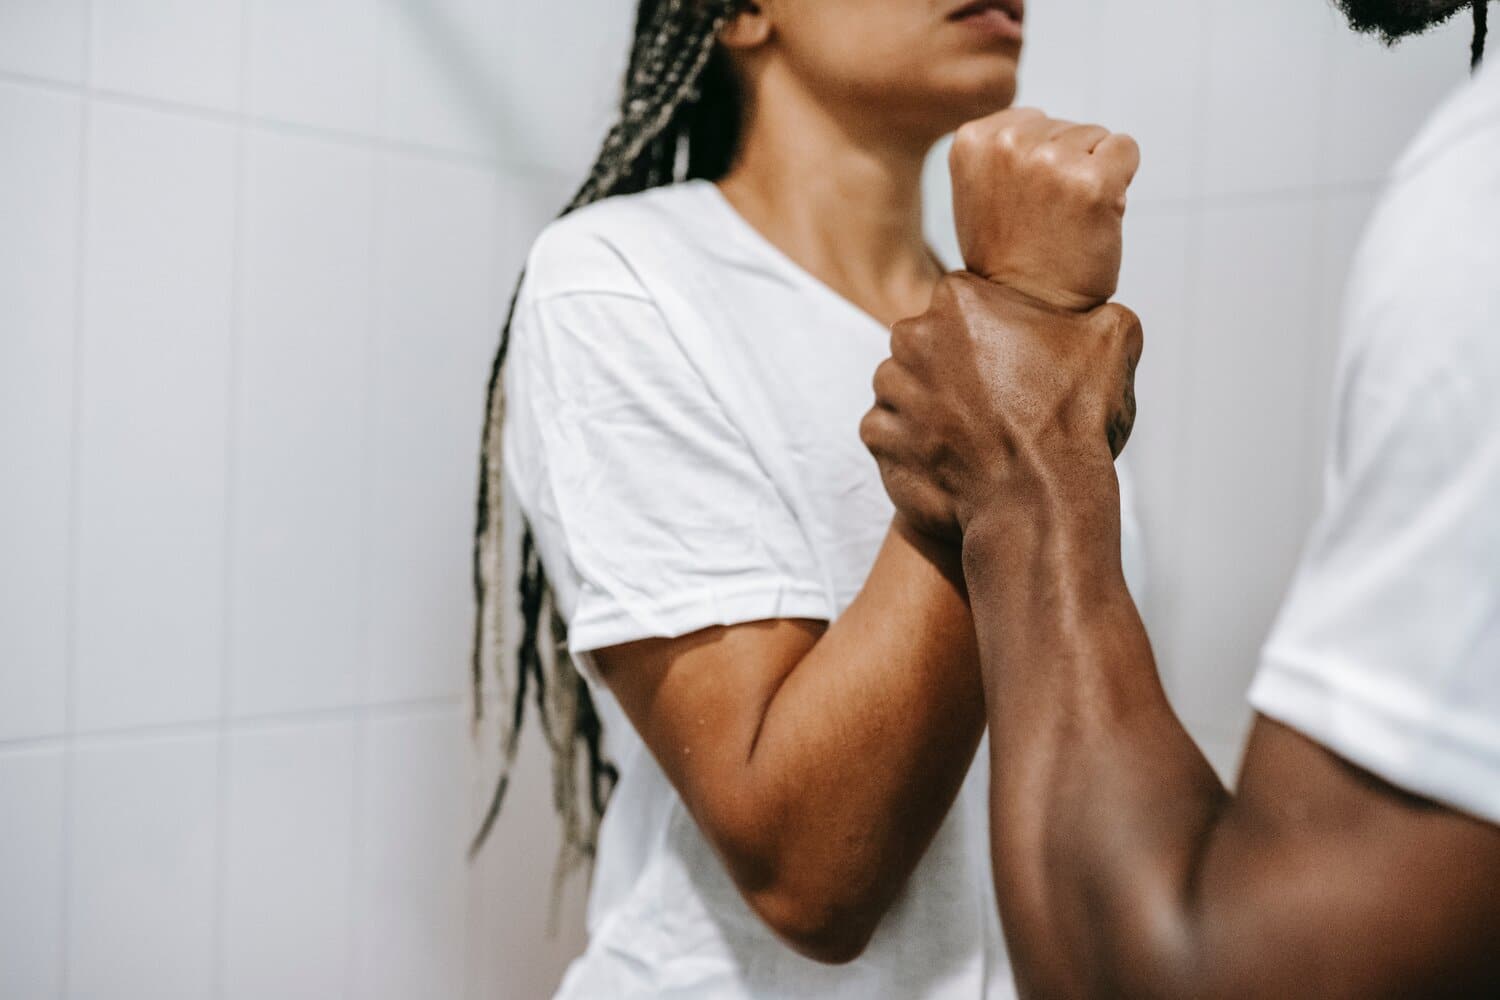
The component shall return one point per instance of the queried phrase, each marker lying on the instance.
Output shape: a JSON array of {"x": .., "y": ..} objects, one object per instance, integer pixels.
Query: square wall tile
[
  {"x": 575, "y": 55},
  {"x": 527, "y": 201},
  {"x": 1059, "y": 67},
  {"x": 287, "y": 862},
  {"x": 31, "y": 870},
  {"x": 1146, "y": 55},
  {"x": 317, "y": 62},
  {"x": 514, "y": 954},
  {"x": 1343, "y": 220},
  {"x": 44, "y": 38},
  {"x": 155, "y": 411},
  {"x": 141, "y": 908},
  {"x": 300, "y": 424},
  {"x": 173, "y": 50},
  {"x": 1246, "y": 499},
  {"x": 1264, "y": 95},
  {"x": 442, "y": 74},
  {"x": 414, "y": 822},
  {"x": 38, "y": 308},
  {"x": 1378, "y": 97},
  {"x": 436, "y": 331}
]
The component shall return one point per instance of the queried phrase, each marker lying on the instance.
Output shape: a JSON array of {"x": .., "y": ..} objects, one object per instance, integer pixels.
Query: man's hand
[
  {"x": 1039, "y": 204},
  {"x": 991, "y": 398}
]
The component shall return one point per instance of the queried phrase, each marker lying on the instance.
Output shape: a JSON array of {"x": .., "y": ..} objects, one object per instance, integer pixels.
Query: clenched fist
[
  {"x": 1039, "y": 204},
  {"x": 992, "y": 401}
]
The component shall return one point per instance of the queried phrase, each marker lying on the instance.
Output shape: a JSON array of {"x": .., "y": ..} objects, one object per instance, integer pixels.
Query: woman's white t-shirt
[{"x": 682, "y": 435}]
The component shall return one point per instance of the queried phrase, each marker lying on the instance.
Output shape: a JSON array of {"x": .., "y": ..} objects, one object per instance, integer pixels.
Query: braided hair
[
  {"x": 1481, "y": 29},
  {"x": 679, "y": 116}
]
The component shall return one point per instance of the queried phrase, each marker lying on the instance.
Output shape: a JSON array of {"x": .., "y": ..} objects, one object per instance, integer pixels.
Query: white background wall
[{"x": 253, "y": 257}]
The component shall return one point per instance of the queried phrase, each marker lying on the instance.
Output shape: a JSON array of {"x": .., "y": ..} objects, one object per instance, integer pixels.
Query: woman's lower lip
[{"x": 994, "y": 22}]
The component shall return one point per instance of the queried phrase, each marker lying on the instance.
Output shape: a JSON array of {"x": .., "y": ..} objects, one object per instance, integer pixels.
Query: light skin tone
[
  {"x": 820, "y": 758},
  {"x": 1123, "y": 867}
]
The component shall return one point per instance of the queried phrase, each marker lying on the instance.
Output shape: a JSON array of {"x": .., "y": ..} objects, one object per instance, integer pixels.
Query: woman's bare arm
[{"x": 819, "y": 759}]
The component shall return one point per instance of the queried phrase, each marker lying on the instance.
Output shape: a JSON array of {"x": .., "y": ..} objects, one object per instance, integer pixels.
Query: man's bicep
[{"x": 1325, "y": 880}]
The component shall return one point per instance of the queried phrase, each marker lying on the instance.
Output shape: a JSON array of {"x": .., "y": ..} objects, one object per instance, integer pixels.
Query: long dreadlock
[
  {"x": 680, "y": 95},
  {"x": 1481, "y": 29}
]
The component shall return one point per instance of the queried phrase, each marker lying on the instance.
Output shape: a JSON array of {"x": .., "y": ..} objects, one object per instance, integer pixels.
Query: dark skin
[{"x": 1123, "y": 867}]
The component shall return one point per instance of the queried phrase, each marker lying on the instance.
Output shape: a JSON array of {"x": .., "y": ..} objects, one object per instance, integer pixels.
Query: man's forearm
[{"x": 1100, "y": 801}]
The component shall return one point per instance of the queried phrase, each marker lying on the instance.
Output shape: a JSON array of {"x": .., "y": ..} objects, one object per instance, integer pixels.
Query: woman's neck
[{"x": 844, "y": 203}]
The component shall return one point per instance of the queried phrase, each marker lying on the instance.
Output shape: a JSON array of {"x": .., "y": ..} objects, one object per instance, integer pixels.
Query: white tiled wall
[{"x": 253, "y": 257}]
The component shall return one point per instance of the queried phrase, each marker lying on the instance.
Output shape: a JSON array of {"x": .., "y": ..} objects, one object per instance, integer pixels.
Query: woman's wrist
[{"x": 945, "y": 555}]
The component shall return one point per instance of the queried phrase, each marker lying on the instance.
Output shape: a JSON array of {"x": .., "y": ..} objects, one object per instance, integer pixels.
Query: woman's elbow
[
  {"x": 815, "y": 930},
  {"x": 825, "y": 912},
  {"x": 816, "y": 927}
]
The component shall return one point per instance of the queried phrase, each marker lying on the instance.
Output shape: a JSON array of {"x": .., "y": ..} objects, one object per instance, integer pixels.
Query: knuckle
[
  {"x": 907, "y": 340},
  {"x": 1091, "y": 183},
  {"x": 869, "y": 430},
  {"x": 967, "y": 141},
  {"x": 882, "y": 379},
  {"x": 1124, "y": 323},
  {"x": 970, "y": 133},
  {"x": 1052, "y": 156},
  {"x": 1124, "y": 333}
]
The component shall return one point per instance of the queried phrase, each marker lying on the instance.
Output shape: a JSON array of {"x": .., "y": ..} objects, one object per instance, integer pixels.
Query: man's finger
[
  {"x": 879, "y": 430},
  {"x": 909, "y": 343},
  {"x": 895, "y": 387}
]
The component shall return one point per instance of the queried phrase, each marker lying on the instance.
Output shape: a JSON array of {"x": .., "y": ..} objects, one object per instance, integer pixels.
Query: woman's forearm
[{"x": 862, "y": 749}]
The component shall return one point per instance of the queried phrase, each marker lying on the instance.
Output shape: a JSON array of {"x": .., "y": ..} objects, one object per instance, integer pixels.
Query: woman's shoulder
[{"x": 614, "y": 246}]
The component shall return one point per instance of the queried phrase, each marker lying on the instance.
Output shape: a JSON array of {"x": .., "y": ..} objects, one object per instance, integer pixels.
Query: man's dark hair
[
  {"x": 679, "y": 118},
  {"x": 1394, "y": 20}
]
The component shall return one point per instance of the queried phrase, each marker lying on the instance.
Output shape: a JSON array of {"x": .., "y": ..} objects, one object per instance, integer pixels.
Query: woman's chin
[{"x": 977, "y": 99}]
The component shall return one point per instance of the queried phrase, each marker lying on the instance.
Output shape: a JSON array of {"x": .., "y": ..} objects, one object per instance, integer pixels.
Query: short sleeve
[
  {"x": 652, "y": 515},
  {"x": 1387, "y": 649}
]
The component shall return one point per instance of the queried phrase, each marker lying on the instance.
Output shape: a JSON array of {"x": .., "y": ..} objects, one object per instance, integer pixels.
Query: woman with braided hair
[{"x": 776, "y": 686}]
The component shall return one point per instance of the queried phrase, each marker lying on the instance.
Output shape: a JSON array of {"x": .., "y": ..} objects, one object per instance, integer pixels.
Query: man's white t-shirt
[
  {"x": 1387, "y": 650},
  {"x": 682, "y": 435}
]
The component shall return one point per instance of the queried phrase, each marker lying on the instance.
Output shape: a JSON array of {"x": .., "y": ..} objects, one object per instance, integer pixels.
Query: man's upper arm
[{"x": 1324, "y": 880}]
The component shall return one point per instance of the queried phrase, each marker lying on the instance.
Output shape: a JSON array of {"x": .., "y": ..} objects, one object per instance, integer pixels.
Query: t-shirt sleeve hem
[
  {"x": 778, "y": 597},
  {"x": 1395, "y": 732}
]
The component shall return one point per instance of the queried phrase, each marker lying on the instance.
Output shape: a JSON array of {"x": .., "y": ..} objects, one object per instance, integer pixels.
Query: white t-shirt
[
  {"x": 1387, "y": 650},
  {"x": 684, "y": 404}
]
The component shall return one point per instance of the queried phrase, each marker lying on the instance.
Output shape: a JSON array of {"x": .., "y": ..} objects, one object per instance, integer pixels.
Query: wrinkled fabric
[
  {"x": 1387, "y": 649},
  {"x": 683, "y": 438}
]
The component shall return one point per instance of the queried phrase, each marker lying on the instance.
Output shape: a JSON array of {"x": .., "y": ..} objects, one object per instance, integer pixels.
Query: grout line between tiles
[
  {"x": 229, "y": 609},
  {"x": 75, "y": 517},
  {"x": 353, "y": 941},
  {"x": 281, "y": 126},
  {"x": 379, "y": 712}
]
